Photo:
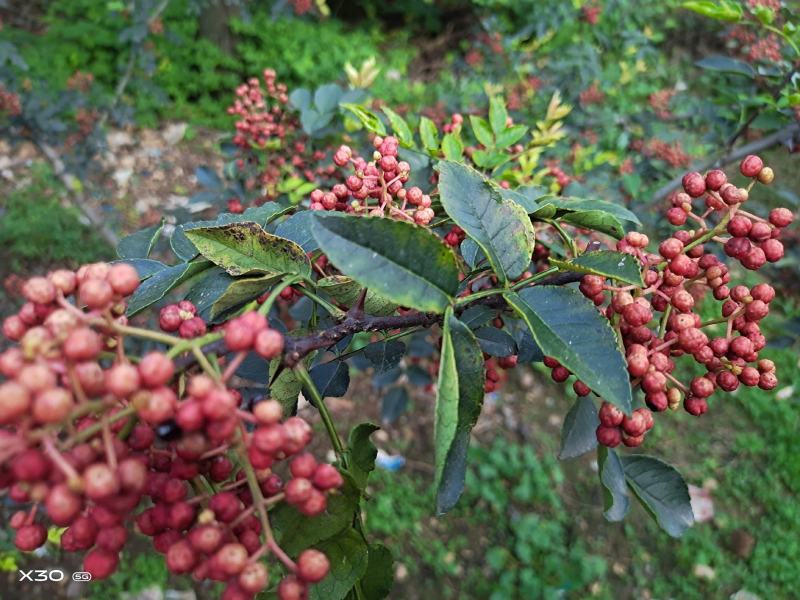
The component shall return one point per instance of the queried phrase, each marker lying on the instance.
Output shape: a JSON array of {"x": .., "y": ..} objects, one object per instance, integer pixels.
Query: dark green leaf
[
  {"x": 727, "y": 65},
  {"x": 400, "y": 261},
  {"x": 155, "y": 287},
  {"x": 378, "y": 581},
  {"x": 296, "y": 532},
  {"x": 300, "y": 98},
  {"x": 348, "y": 555},
  {"x": 578, "y": 433},
  {"x": 285, "y": 388},
  {"x": 661, "y": 490},
  {"x": 297, "y": 228},
  {"x": 566, "y": 204},
  {"x": 483, "y": 132},
  {"x": 458, "y": 404},
  {"x": 614, "y": 265},
  {"x": 242, "y": 248},
  {"x": 145, "y": 267},
  {"x": 477, "y": 315},
  {"x": 139, "y": 244},
  {"x": 327, "y": 96},
  {"x": 500, "y": 227},
  {"x": 472, "y": 253},
  {"x": 346, "y": 292},
  {"x": 219, "y": 292},
  {"x": 393, "y": 404},
  {"x": 361, "y": 453},
  {"x": 368, "y": 118},
  {"x": 612, "y": 476},
  {"x": 498, "y": 115},
  {"x": 207, "y": 178},
  {"x": 384, "y": 355},
  {"x": 569, "y": 328},
  {"x": 428, "y": 134},
  {"x": 399, "y": 127},
  {"x": 596, "y": 220},
  {"x": 331, "y": 378},
  {"x": 495, "y": 342}
]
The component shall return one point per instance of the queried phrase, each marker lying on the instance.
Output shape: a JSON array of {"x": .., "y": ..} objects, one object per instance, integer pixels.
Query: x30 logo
[{"x": 40, "y": 575}]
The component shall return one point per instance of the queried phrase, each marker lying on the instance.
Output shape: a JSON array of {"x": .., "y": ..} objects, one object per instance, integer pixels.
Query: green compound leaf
[
  {"x": 458, "y": 404},
  {"x": 244, "y": 248},
  {"x": 397, "y": 260},
  {"x": 613, "y": 265},
  {"x": 661, "y": 490},
  {"x": 569, "y": 328},
  {"x": 500, "y": 227}
]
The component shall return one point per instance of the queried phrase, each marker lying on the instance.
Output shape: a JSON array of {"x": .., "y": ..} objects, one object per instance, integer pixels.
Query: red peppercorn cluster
[
  {"x": 182, "y": 317},
  {"x": 94, "y": 440},
  {"x": 261, "y": 111},
  {"x": 10, "y": 104},
  {"x": 380, "y": 180},
  {"x": 455, "y": 236},
  {"x": 675, "y": 279}
]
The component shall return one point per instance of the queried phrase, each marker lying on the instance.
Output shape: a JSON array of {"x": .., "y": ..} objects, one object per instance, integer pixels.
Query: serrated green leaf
[
  {"x": 361, "y": 453},
  {"x": 596, "y": 220},
  {"x": 498, "y": 115},
  {"x": 569, "y": 328},
  {"x": 378, "y": 580},
  {"x": 566, "y": 204},
  {"x": 495, "y": 342},
  {"x": 614, "y": 265},
  {"x": 296, "y": 532},
  {"x": 398, "y": 260},
  {"x": 482, "y": 131},
  {"x": 400, "y": 128},
  {"x": 155, "y": 287},
  {"x": 578, "y": 432},
  {"x": 348, "y": 555},
  {"x": 458, "y": 404},
  {"x": 346, "y": 291},
  {"x": 145, "y": 267},
  {"x": 661, "y": 490},
  {"x": 140, "y": 243},
  {"x": 511, "y": 136},
  {"x": 243, "y": 248},
  {"x": 452, "y": 147},
  {"x": 489, "y": 159},
  {"x": 285, "y": 388},
  {"x": 726, "y": 64},
  {"x": 612, "y": 477},
  {"x": 500, "y": 227},
  {"x": 219, "y": 292},
  {"x": 429, "y": 134},
  {"x": 368, "y": 118}
]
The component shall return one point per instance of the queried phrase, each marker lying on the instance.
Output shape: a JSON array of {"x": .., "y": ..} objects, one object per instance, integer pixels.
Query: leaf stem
[{"x": 319, "y": 403}]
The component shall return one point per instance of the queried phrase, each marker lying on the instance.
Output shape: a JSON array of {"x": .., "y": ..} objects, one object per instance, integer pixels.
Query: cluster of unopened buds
[
  {"x": 684, "y": 270},
  {"x": 375, "y": 188},
  {"x": 95, "y": 440}
]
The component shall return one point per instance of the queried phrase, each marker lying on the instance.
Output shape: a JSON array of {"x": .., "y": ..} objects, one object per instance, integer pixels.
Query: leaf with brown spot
[{"x": 244, "y": 248}]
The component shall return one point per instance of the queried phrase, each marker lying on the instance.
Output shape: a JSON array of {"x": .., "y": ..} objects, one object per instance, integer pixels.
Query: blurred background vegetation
[{"x": 652, "y": 95}]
